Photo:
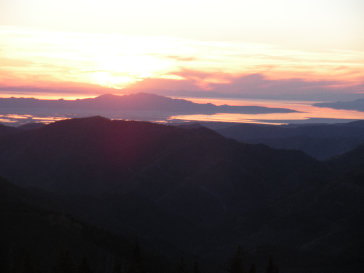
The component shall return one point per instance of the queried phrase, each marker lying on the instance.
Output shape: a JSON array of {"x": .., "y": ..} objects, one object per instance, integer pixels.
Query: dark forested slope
[{"x": 193, "y": 191}]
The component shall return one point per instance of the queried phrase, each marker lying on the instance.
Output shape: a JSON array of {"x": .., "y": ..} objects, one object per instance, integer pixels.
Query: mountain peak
[
  {"x": 141, "y": 94},
  {"x": 136, "y": 106},
  {"x": 107, "y": 97}
]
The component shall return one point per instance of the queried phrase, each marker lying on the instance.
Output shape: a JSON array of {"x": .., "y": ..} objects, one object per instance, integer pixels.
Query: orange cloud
[
  {"x": 197, "y": 83},
  {"x": 88, "y": 63},
  {"x": 46, "y": 86}
]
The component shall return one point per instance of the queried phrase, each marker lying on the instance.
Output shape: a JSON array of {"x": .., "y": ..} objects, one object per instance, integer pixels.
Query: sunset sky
[{"x": 291, "y": 49}]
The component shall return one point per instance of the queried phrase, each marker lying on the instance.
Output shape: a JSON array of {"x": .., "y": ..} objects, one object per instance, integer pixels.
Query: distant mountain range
[
  {"x": 139, "y": 106},
  {"x": 321, "y": 141},
  {"x": 5, "y": 130},
  {"x": 190, "y": 191},
  {"x": 357, "y": 105}
]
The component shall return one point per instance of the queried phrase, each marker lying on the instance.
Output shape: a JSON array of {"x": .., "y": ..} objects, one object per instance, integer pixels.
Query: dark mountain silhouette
[
  {"x": 35, "y": 237},
  {"x": 140, "y": 106},
  {"x": 330, "y": 217},
  {"x": 357, "y": 105},
  {"x": 321, "y": 141},
  {"x": 351, "y": 162},
  {"x": 123, "y": 153},
  {"x": 6, "y": 130},
  {"x": 31, "y": 126},
  {"x": 191, "y": 190}
]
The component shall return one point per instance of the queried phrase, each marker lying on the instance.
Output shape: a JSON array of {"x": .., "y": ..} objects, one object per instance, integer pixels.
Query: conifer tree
[
  {"x": 23, "y": 262},
  {"x": 196, "y": 267},
  {"x": 64, "y": 264},
  {"x": 29, "y": 266},
  {"x": 181, "y": 266},
  {"x": 84, "y": 267},
  {"x": 252, "y": 269},
  {"x": 117, "y": 267},
  {"x": 272, "y": 268},
  {"x": 237, "y": 262},
  {"x": 137, "y": 263}
]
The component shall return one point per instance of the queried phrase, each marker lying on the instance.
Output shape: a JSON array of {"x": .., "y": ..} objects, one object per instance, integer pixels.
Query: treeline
[
  {"x": 239, "y": 265},
  {"x": 23, "y": 261}
]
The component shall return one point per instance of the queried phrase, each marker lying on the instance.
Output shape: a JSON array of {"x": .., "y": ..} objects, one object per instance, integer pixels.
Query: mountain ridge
[
  {"x": 194, "y": 190},
  {"x": 140, "y": 106},
  {"x": 357, "y": 105},
  {"x": 321, "y": 141}
]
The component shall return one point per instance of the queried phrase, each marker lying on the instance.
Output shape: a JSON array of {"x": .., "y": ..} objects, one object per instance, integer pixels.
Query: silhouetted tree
[
  {"x": 117, "y": 267},
  {"x": 237, "y": 262},
  {"x": 84, "y": 267},
  {"x": 4, "y": 263},
  {"x": 29, "y": 265},
  {"x": 196, "y": 267},
  {"x": 23, "y": 262},
  {"x": 64, "y": 263},
  {"x": 181, "y": 266},
  {"x": 272, "y": 268},
  {"x": 136, "y": 263},
  {"x": 252, "y": 269}
]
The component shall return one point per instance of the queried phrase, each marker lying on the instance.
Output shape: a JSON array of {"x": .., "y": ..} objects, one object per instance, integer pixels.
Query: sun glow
[
  {"x": 106, "y": 60},
  {"x": 107, "y": 79},
  {"x": 67, "y": 60}
]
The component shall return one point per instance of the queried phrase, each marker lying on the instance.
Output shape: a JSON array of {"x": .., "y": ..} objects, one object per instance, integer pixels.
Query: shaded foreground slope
[
  {"x": 36, "y": 237},
  {"x": 194, "y": 191}
]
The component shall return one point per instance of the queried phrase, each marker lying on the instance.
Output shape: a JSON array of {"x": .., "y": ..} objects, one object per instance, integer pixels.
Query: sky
[{"x": 282, "y": 49}]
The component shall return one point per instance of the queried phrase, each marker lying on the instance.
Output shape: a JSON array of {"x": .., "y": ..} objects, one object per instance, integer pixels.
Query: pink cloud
[
  {"x": 197, "y": 83},
  {"x": 49, "y": 87}
]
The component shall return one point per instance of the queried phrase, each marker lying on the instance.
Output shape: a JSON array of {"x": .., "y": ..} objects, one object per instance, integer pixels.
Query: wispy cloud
[
  {"x": 35, "y": 59},
  {"x": 256, "y": 85}
]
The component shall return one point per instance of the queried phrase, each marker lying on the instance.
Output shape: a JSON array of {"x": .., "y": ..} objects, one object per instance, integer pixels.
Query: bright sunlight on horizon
[{"x": 310, "y": 50}]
